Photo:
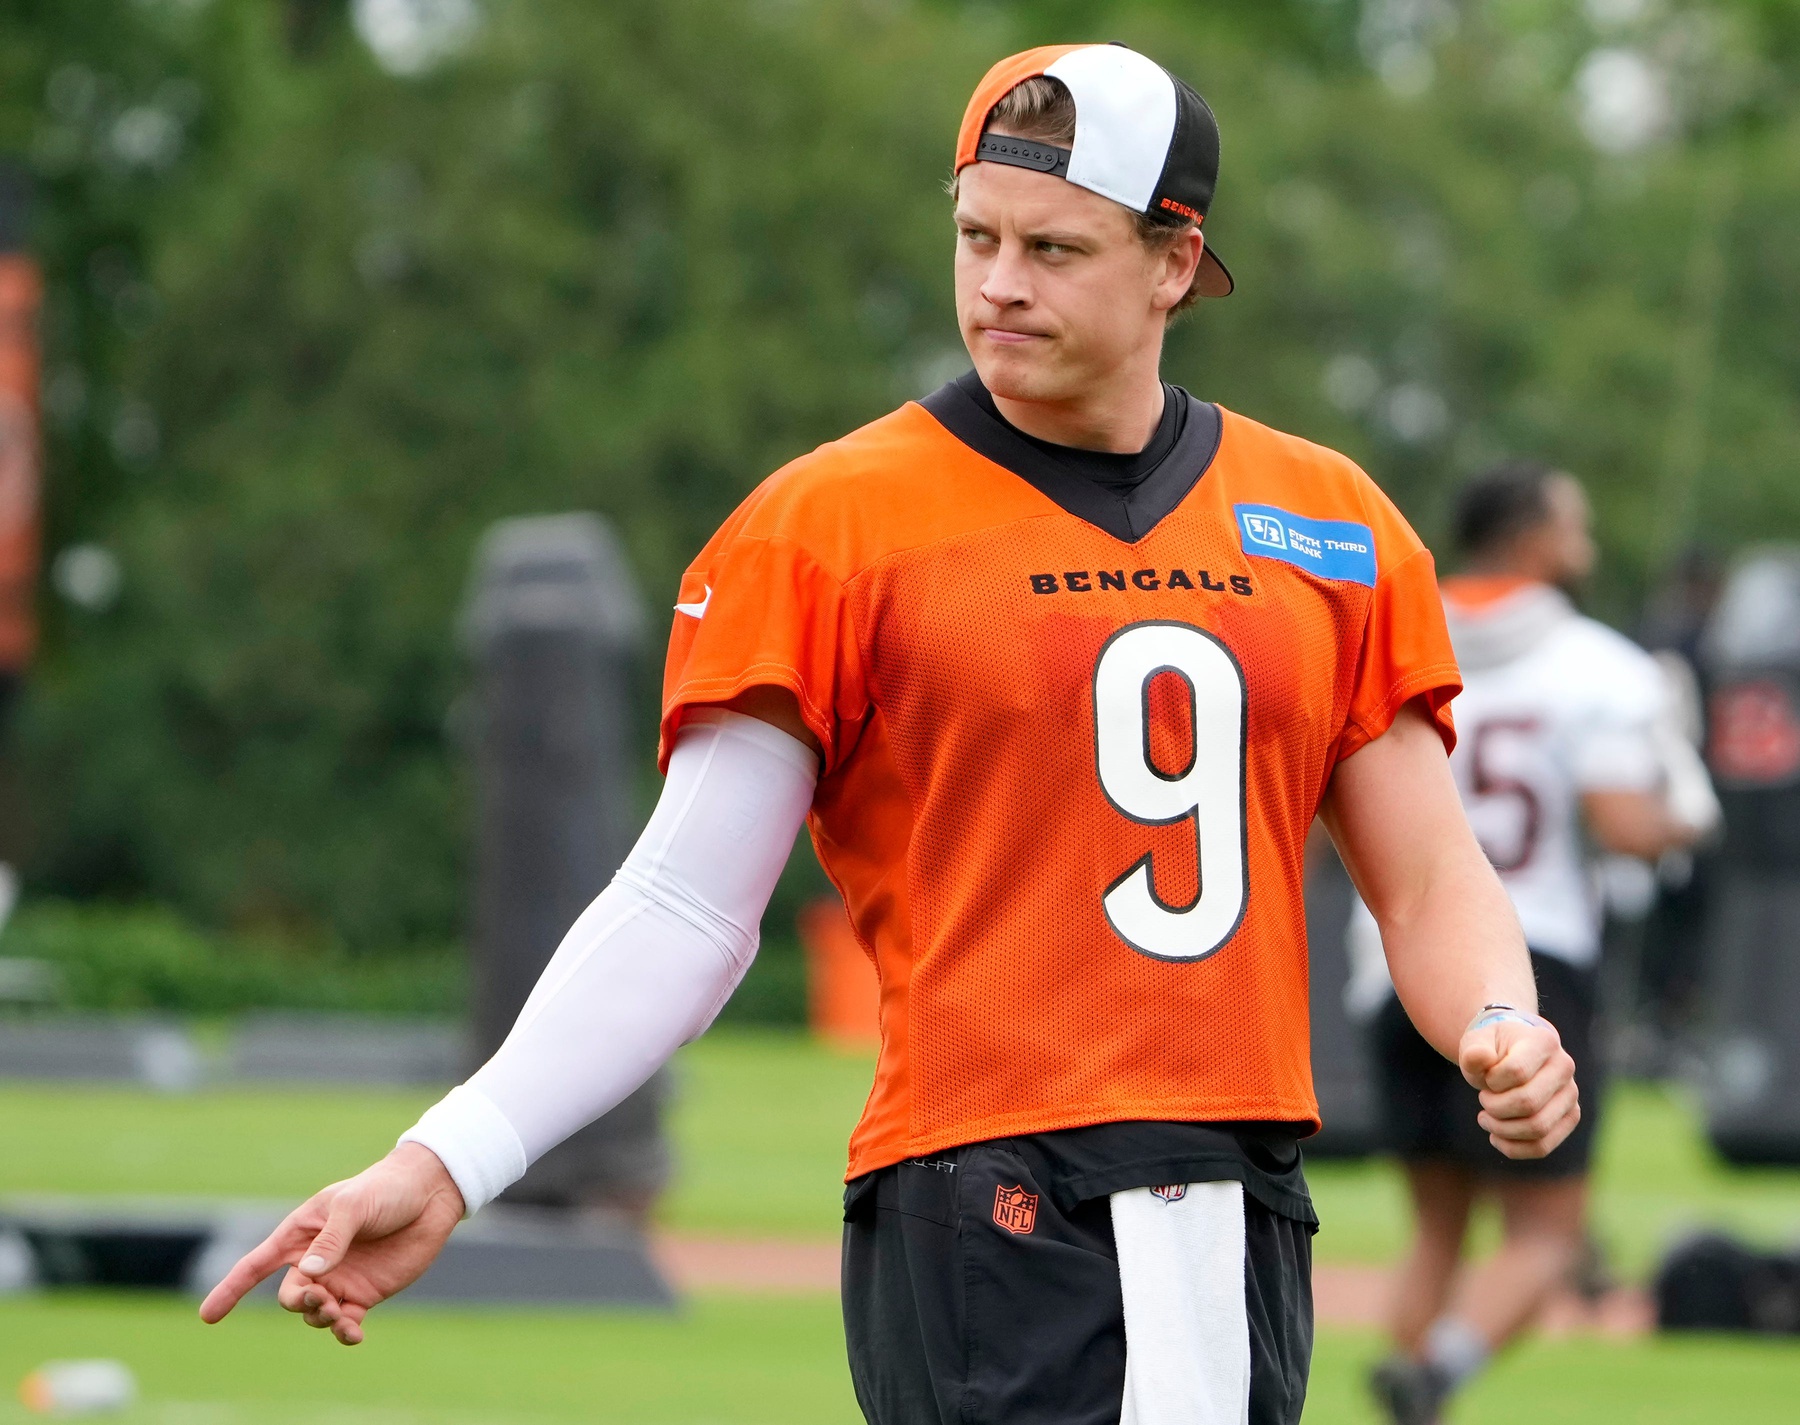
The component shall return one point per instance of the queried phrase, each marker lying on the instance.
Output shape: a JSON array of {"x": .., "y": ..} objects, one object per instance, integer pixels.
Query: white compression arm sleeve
[{"x": 647, "y": 965}]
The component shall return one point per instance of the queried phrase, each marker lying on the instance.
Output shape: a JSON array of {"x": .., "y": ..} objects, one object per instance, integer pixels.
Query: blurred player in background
[
  {"x": 1569, "y": 746},
  {"x": 1060, "y": 663}
]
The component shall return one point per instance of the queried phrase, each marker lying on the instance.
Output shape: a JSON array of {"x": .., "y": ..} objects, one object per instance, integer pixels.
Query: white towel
[{"x": 1187, "y": 1331}]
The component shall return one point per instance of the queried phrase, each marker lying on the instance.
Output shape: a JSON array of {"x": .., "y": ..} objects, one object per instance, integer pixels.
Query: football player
[
  {"x": 1058, "y": 664},
  {"x": 1568, "y": 745}
]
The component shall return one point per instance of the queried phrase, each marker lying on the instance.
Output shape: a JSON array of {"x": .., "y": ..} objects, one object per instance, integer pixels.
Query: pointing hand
[{"x": 353, "y": 1244}]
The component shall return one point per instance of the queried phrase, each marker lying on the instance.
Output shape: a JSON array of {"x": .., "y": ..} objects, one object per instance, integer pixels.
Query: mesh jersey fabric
[{"x": 941, "y": 623}]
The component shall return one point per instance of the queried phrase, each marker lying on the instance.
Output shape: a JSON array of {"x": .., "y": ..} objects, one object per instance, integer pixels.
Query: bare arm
[
  {"x": 1453, "y": 943},
  {"x": 1644, "y": 789},
  {"x": 1636, "y": 824}
]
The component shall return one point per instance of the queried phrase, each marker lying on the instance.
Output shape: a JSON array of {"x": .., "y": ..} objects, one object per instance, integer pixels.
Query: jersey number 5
[
  {"x": 1209, "y": 792},
  {"x": 1492, "y": 783}
]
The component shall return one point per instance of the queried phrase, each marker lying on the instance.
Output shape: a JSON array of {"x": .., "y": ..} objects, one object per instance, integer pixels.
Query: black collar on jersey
[
  {"x": 965, "y": 409},
  {"x": 1120, "y": 473}
]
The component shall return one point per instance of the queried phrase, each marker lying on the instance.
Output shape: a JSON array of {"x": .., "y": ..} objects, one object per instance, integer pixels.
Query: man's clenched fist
[{"x": 1529, "y": 1102}]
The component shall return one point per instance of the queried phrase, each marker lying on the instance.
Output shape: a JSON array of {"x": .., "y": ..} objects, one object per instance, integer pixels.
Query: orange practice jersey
[{"x": 1068, "y": 776}]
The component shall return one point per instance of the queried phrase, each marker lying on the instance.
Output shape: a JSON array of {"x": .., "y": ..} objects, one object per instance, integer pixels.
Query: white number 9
[{"x": 1210, "y": 792}]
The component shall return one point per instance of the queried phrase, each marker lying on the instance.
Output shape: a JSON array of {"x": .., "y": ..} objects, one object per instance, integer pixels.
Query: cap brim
[{"x": 1213, "y": 278}]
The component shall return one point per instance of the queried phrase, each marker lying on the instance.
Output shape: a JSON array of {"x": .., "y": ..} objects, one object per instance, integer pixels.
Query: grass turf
[
  {"x": 760, "y": 1127},
  {"x": 743, "y": 1361},
  {"x": 760, "y": 1131},
  {"x": 1655, "y": 1179},
  {"x": 724, "y": 1360}
]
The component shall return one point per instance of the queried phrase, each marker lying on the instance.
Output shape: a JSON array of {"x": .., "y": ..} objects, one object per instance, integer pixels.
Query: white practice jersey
[{"x": 1553, "y": 705}]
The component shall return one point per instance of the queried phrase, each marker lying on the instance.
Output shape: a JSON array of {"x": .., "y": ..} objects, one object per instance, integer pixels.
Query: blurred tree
[
  {"x": 326, "y": 302},
  {"x": 396, "y": 309}
]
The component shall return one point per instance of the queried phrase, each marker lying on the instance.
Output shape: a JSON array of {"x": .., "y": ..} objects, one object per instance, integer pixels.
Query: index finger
[{"x": 256, "y": 1265}]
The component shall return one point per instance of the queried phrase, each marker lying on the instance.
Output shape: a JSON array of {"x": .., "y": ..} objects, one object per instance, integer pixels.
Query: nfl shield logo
[
  {"x": 1170, "y": 1192},
  {"x": 1015, "y": 1209}
]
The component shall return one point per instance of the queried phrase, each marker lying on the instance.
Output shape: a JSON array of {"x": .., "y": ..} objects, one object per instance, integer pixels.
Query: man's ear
[
  {"x": 1180, "y": 262},
  {"x": 1192, "y": 244}
]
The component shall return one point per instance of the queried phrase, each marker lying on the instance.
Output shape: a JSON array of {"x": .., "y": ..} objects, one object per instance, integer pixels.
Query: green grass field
[
  {"x": 760, "y": 1129},
  {"x": 760, "y": 1124},
  {"x": 746, "y": 1361}
]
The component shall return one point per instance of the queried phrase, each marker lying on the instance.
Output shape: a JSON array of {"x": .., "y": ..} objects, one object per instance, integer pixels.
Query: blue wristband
[{"x": 1502, "y": 1014}]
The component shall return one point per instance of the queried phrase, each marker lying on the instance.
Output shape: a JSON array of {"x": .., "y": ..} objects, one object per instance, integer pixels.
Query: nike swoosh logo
[{"x": 696, "y": 610}]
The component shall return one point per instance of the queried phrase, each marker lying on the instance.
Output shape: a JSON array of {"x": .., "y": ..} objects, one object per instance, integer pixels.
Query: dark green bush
[{"x": 146, "y": 958}]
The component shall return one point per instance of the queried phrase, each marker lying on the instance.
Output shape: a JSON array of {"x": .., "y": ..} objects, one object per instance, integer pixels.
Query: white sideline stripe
[
  {"x": 1187, "y": 1329},
  {"x": 1124, "y": 121}
]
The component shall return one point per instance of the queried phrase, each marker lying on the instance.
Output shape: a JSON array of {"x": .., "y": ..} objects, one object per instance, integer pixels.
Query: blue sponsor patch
[{"x": 1332, "y": 549}]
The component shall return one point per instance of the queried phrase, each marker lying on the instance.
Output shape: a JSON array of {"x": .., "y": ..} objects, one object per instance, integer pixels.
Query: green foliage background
[{"x": 313, "y": 325}]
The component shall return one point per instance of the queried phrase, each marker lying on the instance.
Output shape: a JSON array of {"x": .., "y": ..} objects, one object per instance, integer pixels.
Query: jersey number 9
[{"x": 1209, "y": 791}]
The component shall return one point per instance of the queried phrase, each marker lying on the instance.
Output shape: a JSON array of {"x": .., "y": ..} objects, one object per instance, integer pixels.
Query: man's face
[
  {"x": 1566, "y": 535},
  {"x": 1054, "y": 290}
]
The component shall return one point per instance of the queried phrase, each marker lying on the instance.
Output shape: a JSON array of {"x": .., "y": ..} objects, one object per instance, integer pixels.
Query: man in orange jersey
[{"x": 1059, "y": 664}]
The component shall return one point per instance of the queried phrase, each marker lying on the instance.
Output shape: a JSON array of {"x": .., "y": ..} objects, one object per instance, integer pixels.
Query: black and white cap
[{"x": 1142, "y": 137}]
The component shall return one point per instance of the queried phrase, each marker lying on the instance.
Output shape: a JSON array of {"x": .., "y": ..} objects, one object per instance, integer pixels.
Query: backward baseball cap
[{"x": 1143, "y": 138}]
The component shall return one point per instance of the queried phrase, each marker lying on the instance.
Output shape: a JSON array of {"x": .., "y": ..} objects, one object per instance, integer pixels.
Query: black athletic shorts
[
  {"x": 953, "y": 1318},
  {"x": 1427, "y": 1109}
]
